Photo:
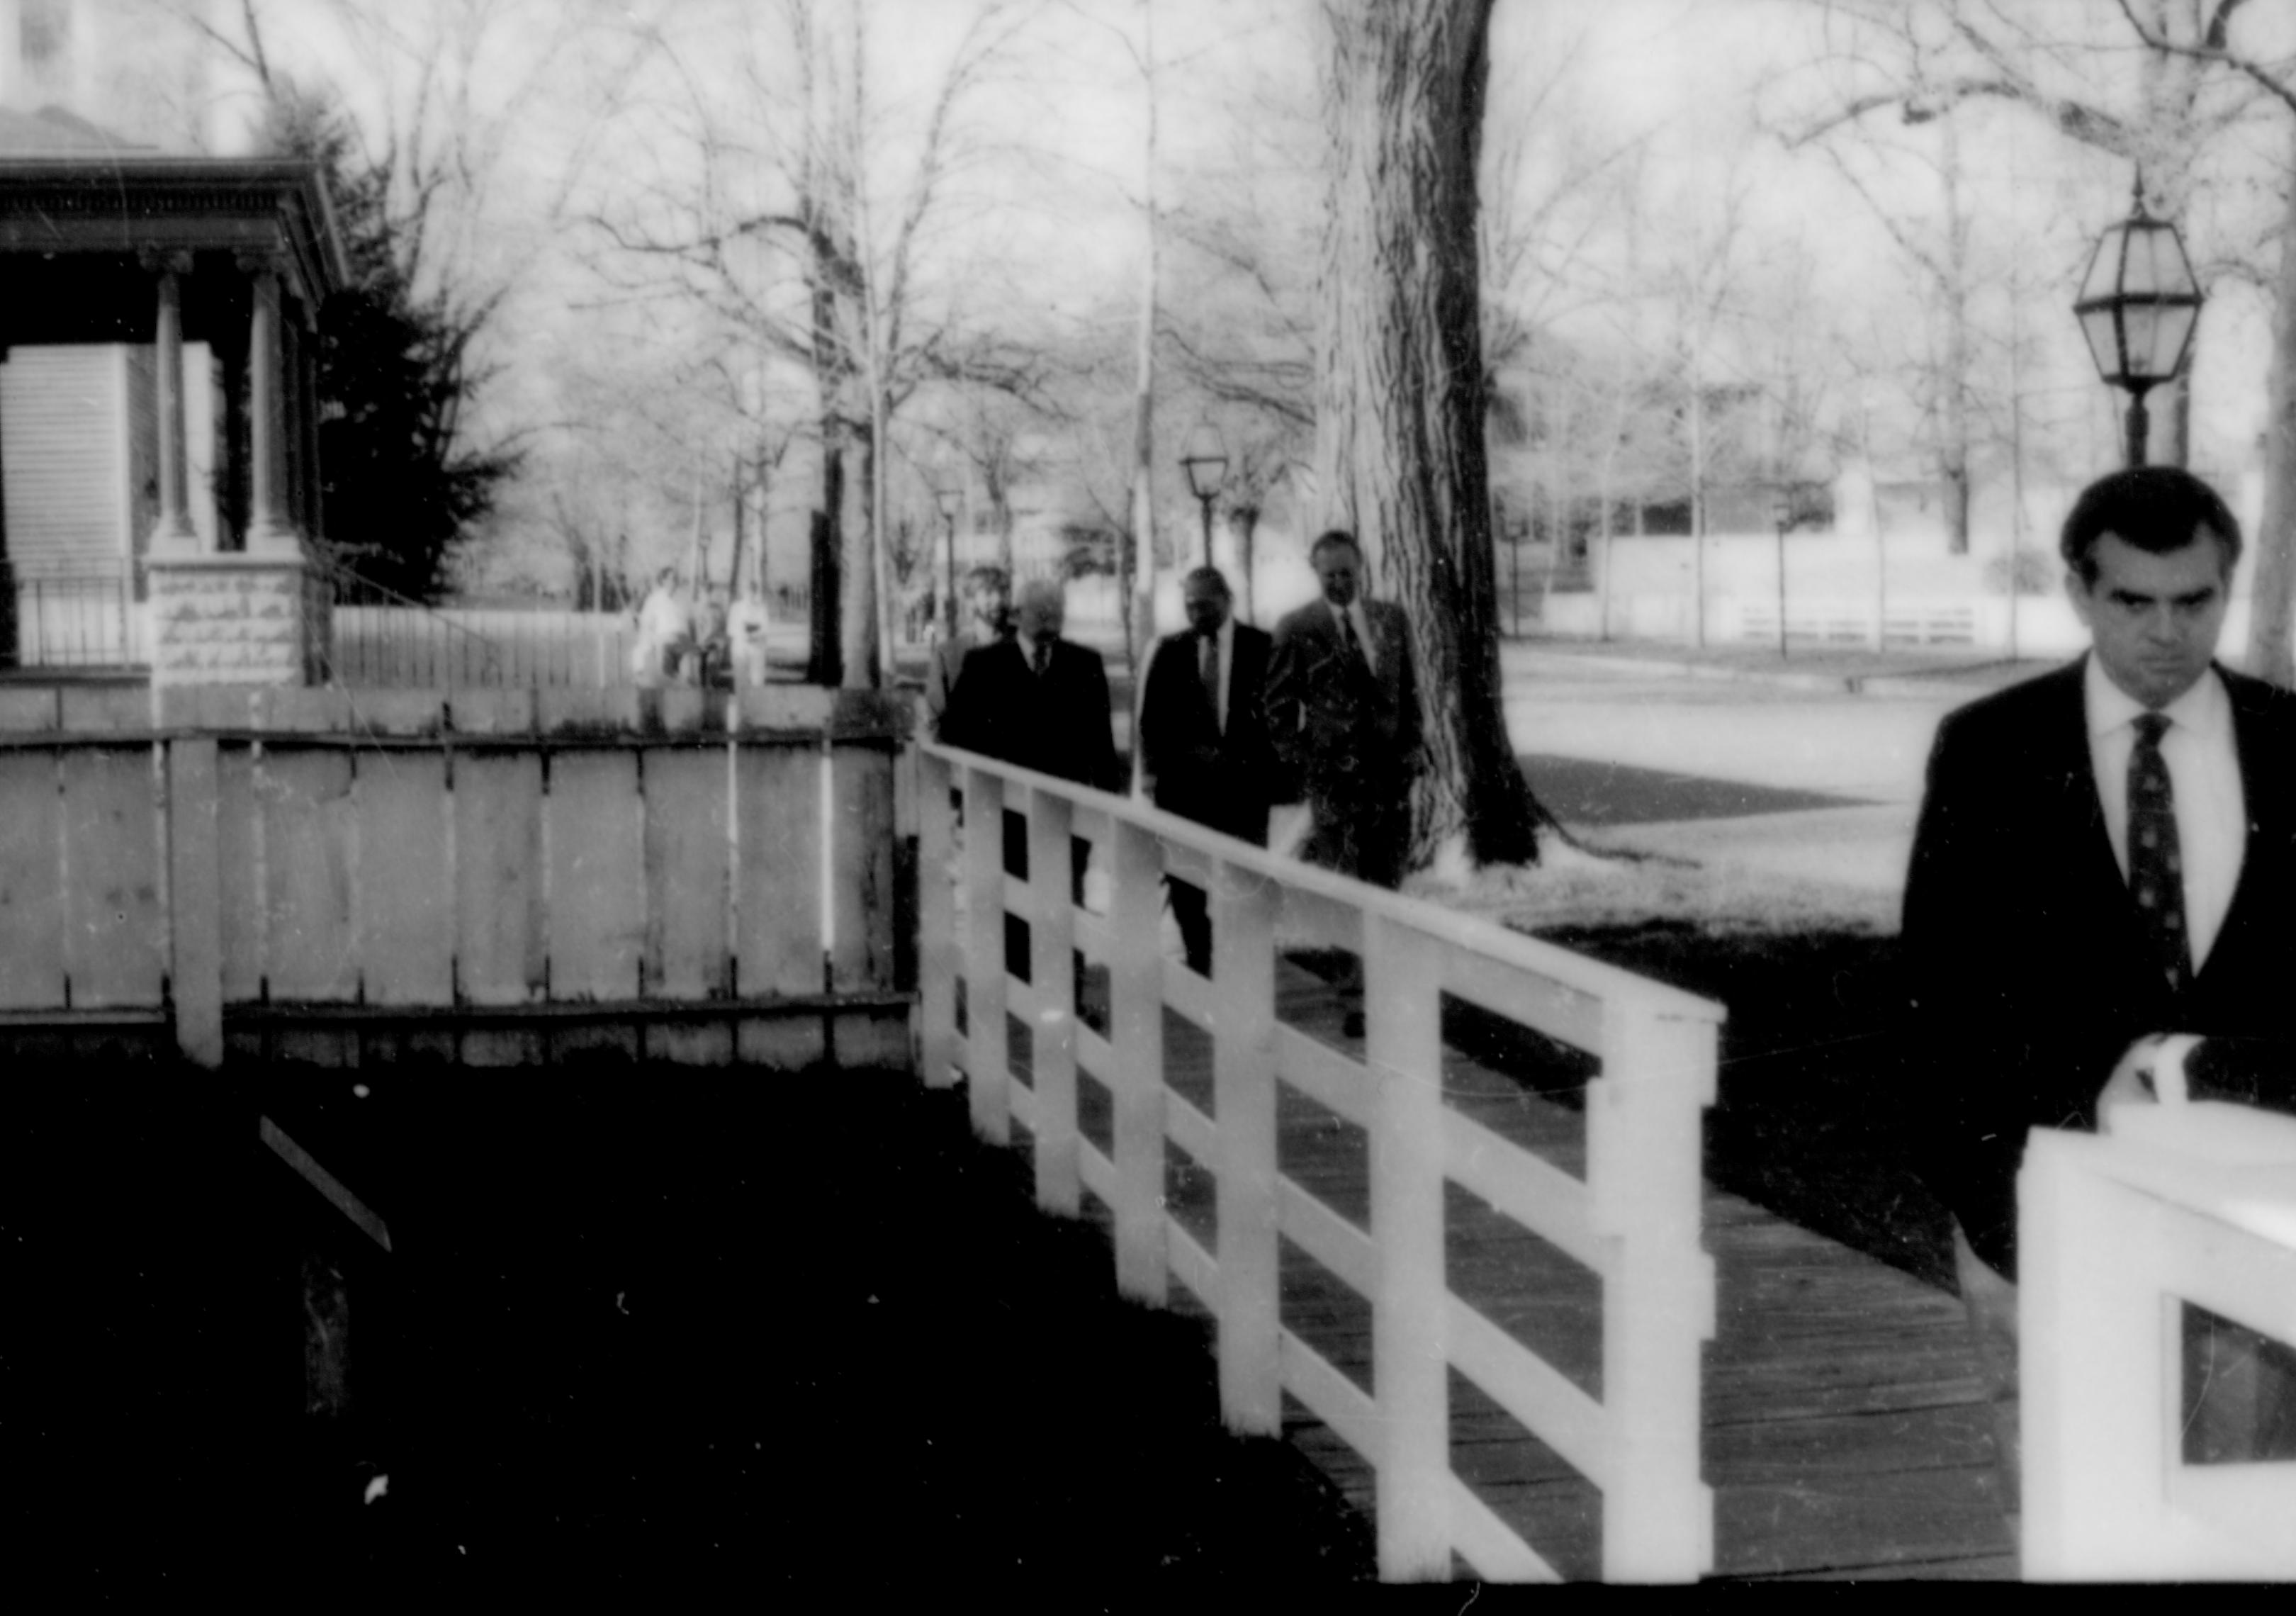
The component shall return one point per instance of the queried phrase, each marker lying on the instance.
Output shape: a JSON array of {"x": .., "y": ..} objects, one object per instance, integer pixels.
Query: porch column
[
  {"x": 172, "y": 533},
  {"x": 271, "y": 526}
]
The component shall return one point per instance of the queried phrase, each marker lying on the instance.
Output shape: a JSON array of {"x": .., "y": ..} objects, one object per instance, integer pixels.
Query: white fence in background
[
  {"x": 2184, "y": 1205},
  {"x": 1634, "y": 1218}
]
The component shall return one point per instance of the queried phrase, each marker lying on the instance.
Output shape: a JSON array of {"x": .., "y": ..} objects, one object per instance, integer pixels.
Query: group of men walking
[
  {"x": 2106, "y": 854},
  {"x": 1232, "y": 720}
]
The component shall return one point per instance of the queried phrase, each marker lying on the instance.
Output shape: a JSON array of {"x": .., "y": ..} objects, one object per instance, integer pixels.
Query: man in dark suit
[
  {"x": 1036, "y": 700},
  {"x": 988, "y": 600},
  {"x": 1040, "y": 702},
  {"x": 1203, "y": 737},
  {"x": 1343, "y": 717},
  {"x": 2105, "y": 854}
]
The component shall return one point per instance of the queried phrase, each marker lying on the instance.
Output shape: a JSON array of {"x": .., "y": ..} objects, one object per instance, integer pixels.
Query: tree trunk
[
  {"x": 824, "y": 659},
  {"x": 1954, "y": 455},
  {"x": 2272, "y": 605},
  {"x": 857, "y": 626},
  {"x": 1400, "y": 391}
]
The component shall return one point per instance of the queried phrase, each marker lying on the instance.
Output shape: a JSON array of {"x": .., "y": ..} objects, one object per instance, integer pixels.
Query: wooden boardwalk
[{"x": 1844, "y": 1426}]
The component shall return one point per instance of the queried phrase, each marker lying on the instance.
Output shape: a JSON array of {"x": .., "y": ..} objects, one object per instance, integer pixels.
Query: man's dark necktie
[
  {"x": 1211, "y": 670},
  {"x": 2156, "y": 871},
  {"x": 1041, "y": 658},
  {"x": 1348, "y": 633}
]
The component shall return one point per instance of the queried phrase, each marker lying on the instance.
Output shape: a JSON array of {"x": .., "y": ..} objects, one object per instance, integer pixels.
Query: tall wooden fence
[
  {"x": 1633, "y": 1218},
  {"x": 496, "y": 876}
]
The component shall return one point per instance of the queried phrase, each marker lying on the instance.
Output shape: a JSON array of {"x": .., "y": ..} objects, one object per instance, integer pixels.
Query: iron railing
[{"x": 75, "y": 615}]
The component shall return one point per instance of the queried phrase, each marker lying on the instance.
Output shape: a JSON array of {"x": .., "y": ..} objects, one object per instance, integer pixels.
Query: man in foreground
[
  {"x": 1203, "y": 737},
  {"x": 2105, "y": 854}
]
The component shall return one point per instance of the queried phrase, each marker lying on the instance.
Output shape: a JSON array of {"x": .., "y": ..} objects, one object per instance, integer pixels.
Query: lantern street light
[
  {"x": 2138, "y": 305},
  {"x": 947, "y": 496},
  {"x": 1205, "y": 461}
]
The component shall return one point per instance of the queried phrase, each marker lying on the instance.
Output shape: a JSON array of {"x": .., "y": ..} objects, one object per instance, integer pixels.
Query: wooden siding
[{"x": 62, "y": 440}]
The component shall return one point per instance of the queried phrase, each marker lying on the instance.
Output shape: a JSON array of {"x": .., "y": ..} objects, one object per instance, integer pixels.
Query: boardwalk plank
[{"x": 1845, "y": 1429}]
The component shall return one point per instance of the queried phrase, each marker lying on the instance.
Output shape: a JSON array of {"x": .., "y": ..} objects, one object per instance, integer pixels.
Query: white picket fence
[{"x": 1634, "y": 1218}]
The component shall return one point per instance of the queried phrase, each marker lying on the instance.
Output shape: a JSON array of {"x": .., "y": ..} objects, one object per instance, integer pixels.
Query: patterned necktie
[
  {"x": 2156, "y": 872},
  {"x": 1041, "y": 658},
  {"x": 1211, "y": 668},
  {"x": 1348, "y": 633}
]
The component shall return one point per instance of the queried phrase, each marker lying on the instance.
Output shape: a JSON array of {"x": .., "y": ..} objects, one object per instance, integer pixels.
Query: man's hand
[{"x": 2131, "y": 1082}]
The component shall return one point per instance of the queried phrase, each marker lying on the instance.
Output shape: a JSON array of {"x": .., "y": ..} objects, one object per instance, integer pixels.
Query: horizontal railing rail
[{"x": 1632, "y": 1216}]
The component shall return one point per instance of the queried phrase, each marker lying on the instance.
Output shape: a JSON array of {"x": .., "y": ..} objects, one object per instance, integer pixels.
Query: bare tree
[{"x": 852, "y": 239}]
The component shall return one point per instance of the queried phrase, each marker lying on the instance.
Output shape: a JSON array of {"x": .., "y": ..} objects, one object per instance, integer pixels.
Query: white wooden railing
[
  {"x": 1634, "y": 1218},
  {"x": 2115, "y": 1236}
]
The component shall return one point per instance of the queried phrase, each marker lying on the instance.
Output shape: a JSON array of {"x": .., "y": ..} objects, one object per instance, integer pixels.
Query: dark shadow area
[
  {"x": 1580, "y": 791},
  {"x": 1815, "y": 1115},
  {"x": 651, "y": 1329}
]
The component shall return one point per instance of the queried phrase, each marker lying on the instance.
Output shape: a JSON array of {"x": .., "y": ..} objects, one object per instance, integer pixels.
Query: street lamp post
[
  {"x": 2137, "y": 307},
  {"x": 1205, "y": 461},
  {"x": 1782, "y": 513},
  {"x": 947, "y": 496}
]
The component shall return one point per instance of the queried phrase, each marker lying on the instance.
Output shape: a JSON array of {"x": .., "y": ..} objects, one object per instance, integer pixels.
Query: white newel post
[
  {"x": 989, "y": 1069},
  {"x": 238, "y": 618},
  {"x": 942, "y": 957},
  {"x": 1051, "y": 1040},
  {"x": 1645, "y": 1129},
  {"x": 1243, "y": 1103},
  {"x": 1136, "y": 1025},
  {"x": 1405, "y": 1056}
]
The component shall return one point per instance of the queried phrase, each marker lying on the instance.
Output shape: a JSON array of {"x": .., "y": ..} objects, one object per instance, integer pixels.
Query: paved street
[{"x": 1864, "y": 752}]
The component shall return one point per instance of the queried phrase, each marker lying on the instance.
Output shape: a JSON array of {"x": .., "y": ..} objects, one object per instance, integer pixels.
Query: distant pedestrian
[
  {"x": 1204, "y": 749},
  {"x": 664, "y": 628}
]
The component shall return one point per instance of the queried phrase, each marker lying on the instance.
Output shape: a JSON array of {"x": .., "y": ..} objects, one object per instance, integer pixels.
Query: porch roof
[{"x": 84, "y": 193}]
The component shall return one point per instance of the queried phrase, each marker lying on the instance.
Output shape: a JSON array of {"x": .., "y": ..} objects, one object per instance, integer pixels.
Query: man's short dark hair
[
  {"x": 1329, "y": 537},
  {"x": 987, "y": 578},
  {"x": 1210, "y": 576},
  {"x": 2156, "y": 508}
]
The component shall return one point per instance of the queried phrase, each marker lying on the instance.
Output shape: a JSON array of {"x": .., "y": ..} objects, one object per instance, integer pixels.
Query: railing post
[
  {"x": 989, "y": 1070},
  {"x": 1404, "y": 1054},
  {"x": 1135, "y": 1025},
  {"x": 2098, "y": 1356},
  {"x": 1645, "y": 1160},
  {"x": 939, "y": 956},
  {"x": 1051, "y": 1041},
  {"x": 194, "y": 900},
  {"x": 1243, "y": 1103}
]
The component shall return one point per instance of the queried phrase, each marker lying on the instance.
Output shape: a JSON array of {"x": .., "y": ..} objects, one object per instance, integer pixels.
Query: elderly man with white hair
[{"x": 1036, "y": 700}]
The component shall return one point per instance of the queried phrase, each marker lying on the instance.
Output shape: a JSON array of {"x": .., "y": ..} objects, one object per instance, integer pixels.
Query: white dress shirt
[
  {"x": 2204, "y": 763},
  {"x": 1227, "y": 638},
  {"x": 1360, "y": 620}
]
